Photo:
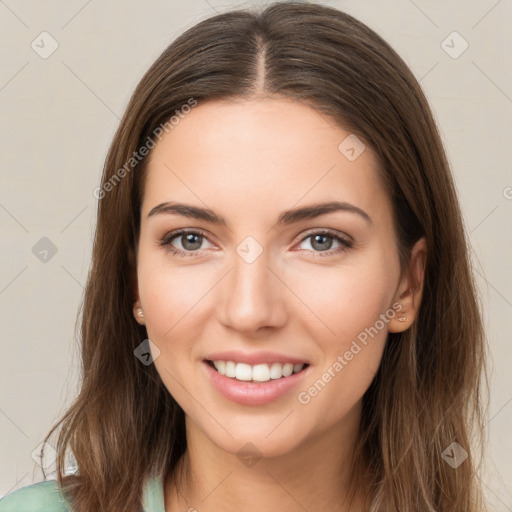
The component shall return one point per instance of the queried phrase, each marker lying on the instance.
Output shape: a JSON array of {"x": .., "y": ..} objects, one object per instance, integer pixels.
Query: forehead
[{"x": 255, "y": 154}]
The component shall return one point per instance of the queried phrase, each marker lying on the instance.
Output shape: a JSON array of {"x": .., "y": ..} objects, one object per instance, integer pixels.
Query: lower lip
[{"x": 253, "y": 393}]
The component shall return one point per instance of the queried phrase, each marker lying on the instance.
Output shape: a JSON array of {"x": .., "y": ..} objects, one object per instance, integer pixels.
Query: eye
[
  {"x": 322, "y": 241},
  {"x": 190, "y": 241}
]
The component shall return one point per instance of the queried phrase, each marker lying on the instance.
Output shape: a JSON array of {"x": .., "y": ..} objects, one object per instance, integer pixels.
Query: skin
[{"x": 248, "y": 161}]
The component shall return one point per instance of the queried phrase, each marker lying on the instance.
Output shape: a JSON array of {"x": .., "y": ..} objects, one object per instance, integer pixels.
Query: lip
[
  {"x": 252, "y": 393},
  {"x": 253, "y": 358}
]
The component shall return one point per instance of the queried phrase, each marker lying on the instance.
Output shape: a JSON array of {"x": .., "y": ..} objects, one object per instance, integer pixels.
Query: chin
[{"x": 264, "y": 439}]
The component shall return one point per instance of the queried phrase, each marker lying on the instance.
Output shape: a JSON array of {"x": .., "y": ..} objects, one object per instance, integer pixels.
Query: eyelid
[
  {"x": 168, "y": 236},
  {"x": 166, "y": 239},
  {"x": 346, "y": 240},
  {"x": 327, "y": 231}
]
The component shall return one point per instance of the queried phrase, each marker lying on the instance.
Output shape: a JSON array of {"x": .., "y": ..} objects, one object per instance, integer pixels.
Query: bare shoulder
[{"x": 40, "y": 497}]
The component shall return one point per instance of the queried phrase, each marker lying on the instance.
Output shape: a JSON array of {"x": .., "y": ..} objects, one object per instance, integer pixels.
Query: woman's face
[{"x": 265, "y": 286}]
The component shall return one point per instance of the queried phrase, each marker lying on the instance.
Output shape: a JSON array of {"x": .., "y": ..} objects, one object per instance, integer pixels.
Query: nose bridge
[{"x": 252, "y": 293}]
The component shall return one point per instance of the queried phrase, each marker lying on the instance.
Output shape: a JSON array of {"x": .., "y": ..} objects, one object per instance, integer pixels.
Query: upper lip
[{"x": 254, "y": 358}]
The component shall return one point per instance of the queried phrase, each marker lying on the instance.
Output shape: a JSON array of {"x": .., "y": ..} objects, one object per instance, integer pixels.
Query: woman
[{"x": 280, "y": 312}]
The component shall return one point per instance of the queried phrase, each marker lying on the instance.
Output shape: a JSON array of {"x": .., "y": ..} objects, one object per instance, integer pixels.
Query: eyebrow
[{"x": 285, "y": 218}]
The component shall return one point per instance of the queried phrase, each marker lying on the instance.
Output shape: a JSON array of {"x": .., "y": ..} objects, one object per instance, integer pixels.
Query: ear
[
  {"x": 410, "y": 289},
  {"x": 138, "y": 313}
]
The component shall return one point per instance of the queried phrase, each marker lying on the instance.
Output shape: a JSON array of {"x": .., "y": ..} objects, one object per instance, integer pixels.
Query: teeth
[{"x": 258, "y": 372}]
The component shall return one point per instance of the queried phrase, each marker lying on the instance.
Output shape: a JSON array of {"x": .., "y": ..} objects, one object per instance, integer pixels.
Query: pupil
[
  {"x": 189, "y": 239},
  {"x": 316, "y": 237}
]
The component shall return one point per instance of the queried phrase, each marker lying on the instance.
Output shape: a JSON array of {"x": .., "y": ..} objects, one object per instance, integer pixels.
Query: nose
[{"x": 253, "y": 296}]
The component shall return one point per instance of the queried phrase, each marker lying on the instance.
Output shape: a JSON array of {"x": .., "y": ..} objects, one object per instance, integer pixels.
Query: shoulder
[{"x": 40, "y": 497}]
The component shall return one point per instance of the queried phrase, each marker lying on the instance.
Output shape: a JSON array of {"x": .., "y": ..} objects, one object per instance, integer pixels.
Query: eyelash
[{"x": 168, "y": 238}]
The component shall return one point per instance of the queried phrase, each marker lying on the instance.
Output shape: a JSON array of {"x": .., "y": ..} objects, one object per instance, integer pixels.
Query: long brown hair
[{"x": 125, "y": 426}]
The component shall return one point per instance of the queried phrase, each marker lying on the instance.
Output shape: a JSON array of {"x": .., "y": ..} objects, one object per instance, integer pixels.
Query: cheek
[
  {"x": 350, "y": 358},
  {"x": 351, "y": 303},
  {"x": 171, "y": 298},
  {"x": 171, "y": 295},
  {"x": 342, "y": 301}
]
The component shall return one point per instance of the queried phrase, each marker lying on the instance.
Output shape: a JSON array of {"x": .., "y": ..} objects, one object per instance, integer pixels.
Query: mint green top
[{"x": 46, "y": 497}]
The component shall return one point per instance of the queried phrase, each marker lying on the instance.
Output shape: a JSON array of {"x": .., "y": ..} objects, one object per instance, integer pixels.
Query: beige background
[{"x": 59, "y": 114}]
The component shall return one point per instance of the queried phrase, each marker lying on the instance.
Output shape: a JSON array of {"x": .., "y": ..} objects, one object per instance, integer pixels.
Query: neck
[{"x": 314, "y": 476}]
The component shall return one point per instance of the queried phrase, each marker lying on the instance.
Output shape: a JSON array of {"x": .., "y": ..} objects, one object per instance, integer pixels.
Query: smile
[
  {"x": 239, "y": 382},
  {"x": 256, "y": 373}
]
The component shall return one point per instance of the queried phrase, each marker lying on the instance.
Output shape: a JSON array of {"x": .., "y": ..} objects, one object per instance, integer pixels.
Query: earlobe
[
  {"x": 138, "y": 313},
  {"x": 411, "y": 289},
  {"x": 404, "y": 315}
]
